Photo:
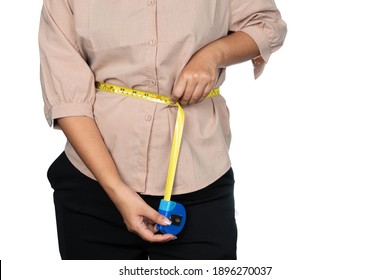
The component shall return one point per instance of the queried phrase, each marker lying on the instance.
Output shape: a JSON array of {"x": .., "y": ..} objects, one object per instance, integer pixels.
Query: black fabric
[{"x": 90, "y": 227}]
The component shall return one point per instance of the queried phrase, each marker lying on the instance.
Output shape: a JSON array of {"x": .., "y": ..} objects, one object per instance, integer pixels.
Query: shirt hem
[
  {"x": 177, "y": 190},
  {"x": 190, "y": 189}
]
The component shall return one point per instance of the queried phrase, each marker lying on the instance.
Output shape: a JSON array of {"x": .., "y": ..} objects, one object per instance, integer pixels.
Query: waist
[{"x": 140, "y": 94}]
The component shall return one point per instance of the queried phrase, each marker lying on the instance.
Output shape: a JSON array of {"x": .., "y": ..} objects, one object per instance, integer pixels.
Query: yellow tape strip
[
  {"x": 175, "y": 149},
  {"x": 179, "y": 125},
  {"x": 143, "y": 94}
]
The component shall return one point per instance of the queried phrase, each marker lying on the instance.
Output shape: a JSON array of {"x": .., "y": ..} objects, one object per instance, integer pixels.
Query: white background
[{"x": 310, "y": 150}]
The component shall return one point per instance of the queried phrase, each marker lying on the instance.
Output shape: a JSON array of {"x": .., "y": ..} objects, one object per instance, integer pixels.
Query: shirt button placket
[{"x": 151, "y": 73}]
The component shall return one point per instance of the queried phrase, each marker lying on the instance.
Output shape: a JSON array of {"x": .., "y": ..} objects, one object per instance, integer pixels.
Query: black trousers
[{"x": 90, "y": 227}]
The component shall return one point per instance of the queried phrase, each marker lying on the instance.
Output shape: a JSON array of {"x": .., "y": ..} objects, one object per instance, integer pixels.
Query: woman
[{"x": 109, "y": 181}]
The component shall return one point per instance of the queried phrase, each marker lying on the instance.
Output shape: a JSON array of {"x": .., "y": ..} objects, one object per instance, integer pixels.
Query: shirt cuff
[
  {"x": 68, "y": 110},
  {"x": 262, "y": 42}
]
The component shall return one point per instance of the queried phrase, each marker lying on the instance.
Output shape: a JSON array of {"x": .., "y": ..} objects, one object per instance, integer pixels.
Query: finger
[
  {"x": 146, "y": 234},
  {"x": 151, "y": 225},
  {"x": 197, "y": 94},
  {"x": 178, "y": 90},
  {"x": 156, "y": 217},
  {"x": 152, "y": 228},
  {"x": 201, "y": 92},
  {"x": 162, "y": 238},
  {"x": 188, "y": 92}
]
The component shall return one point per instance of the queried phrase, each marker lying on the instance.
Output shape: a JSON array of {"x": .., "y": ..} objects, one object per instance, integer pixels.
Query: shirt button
[
  {"x": 151, "y": 2},
  {"x": 148, "y": 118},
  {"x": 152, "y": 42},
  {"x": 152, "y": 82}
]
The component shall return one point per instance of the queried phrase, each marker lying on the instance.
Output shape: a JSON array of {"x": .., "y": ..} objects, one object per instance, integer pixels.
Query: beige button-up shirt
[{"x": 144, "y": 44}]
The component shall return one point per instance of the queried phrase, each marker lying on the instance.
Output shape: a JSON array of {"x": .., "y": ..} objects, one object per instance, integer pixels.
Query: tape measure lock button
[
  {"x": 176, "y": 219},
  {"x": 176, "y": 213}
]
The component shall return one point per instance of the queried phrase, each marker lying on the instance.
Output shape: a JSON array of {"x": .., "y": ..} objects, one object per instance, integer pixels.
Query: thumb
[{"x": 156, "y": 217}]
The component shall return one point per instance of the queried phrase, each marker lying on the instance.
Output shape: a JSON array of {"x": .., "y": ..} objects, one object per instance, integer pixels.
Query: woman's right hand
[{"x": 138, "y": 216}]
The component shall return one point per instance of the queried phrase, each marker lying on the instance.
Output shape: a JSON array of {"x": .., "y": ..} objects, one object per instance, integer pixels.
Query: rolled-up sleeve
[
  {"x": 67, "y": 80},
  {"x": 261, "y": 20}
]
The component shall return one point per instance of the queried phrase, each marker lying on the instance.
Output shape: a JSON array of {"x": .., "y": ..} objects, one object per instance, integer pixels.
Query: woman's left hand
[{"x": 197, "y": 78}]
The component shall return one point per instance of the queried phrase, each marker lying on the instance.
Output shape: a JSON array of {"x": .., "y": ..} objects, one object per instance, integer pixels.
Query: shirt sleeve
[
  {"x": 261, "y": 20},
  {"x": 66, "y": 79}
]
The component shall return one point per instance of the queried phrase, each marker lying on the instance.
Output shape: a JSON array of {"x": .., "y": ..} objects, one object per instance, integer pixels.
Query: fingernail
[
  {"x": 174, "y": 237},
  {"x": 167, "y": 222}
]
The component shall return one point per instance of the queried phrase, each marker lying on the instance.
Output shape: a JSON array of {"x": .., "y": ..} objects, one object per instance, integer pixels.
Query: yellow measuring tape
[{"x": 179, "y": 125}]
